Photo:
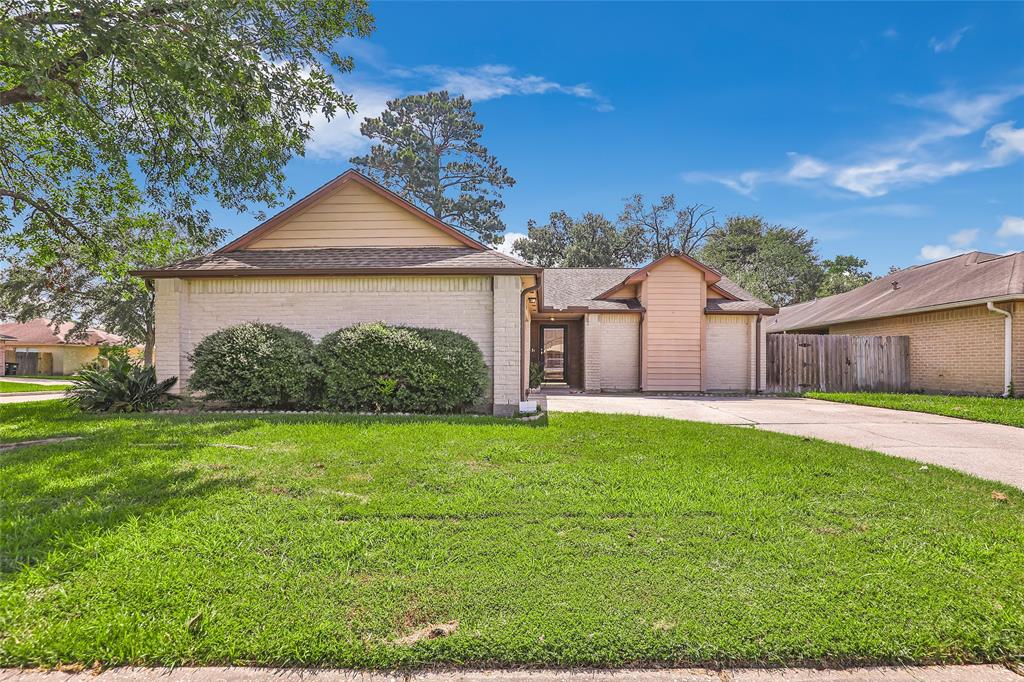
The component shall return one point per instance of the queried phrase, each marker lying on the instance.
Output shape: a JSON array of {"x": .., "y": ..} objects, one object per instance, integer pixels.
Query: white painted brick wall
[
  {"x": 189, "y": 310},
  {"x": 507, "y": 339},
  {"x": 592, "y": 347}
]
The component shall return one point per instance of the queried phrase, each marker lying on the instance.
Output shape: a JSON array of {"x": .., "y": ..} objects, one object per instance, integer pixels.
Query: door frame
[{"x": 565, "y": 347}]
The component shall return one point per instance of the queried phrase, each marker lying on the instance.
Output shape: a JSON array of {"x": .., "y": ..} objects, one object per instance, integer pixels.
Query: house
[
  {"x": 40, "y": 348},
  {"x": 3, "y": 353},
  {"x": 353, "y": 252},
  {"x": 964, "y": 316}
]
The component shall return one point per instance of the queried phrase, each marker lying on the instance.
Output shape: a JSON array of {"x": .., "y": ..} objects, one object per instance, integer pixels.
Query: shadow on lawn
[{"x": 57, "y": 496}]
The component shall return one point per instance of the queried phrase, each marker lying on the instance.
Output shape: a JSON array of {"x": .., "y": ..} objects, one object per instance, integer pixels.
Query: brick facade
[
  {"x": 959, "y": 350},
  {"x": 475, "y": 305}
]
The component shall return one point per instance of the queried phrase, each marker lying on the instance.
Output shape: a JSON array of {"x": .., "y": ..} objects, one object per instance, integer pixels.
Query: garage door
[{"x": 728, "y": 352}]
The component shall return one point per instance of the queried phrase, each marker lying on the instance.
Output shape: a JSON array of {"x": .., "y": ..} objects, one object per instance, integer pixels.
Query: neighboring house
[
  {"x": 353, "y": 252},
  {"x": 39, "y": 348},
  {"x": 3, "y": 353},
  {"x": 964, "y": 316}
]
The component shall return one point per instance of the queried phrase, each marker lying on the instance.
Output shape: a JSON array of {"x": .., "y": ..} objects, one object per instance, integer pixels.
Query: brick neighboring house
[
  {"x": 353, "y": 252},
  {"x": 964, "y": 316}
]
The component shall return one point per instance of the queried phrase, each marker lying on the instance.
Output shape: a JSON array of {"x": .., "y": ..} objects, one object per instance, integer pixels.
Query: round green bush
[
  {"x": 254, "y": 365},
  {"x": 379, "y": 368}
]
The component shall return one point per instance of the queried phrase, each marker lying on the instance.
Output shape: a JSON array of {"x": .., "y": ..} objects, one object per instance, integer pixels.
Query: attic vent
[{"x": 895, "y": 285}]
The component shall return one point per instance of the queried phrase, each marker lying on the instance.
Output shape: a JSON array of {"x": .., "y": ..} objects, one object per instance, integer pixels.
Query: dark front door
[{"x": 553, "y": 356}]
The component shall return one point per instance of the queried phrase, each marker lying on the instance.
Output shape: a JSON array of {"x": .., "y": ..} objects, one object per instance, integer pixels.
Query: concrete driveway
[{"x": 991, "y": 451}]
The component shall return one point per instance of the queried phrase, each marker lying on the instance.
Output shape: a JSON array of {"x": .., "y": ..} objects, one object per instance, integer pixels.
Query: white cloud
[
  {"x": 491, "y": 81},
  {"x": 915, "y": 160},
  {"x": 964, "y": 237},
  {"x": 1013, "y": 226},
  {"x": 340, "y": 136},
  {"x": 891, "y": 33},
  {"x": 950, "y": 43},
  {"x": 510, "y": 238},
  {"x": 930, "y": 252}
]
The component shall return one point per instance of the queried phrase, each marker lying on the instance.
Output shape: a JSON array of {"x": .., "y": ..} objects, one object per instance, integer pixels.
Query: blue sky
[{"x": 891, "y": 131}]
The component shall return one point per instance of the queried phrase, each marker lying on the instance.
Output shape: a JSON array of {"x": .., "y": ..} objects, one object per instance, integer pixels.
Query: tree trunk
[{"x": 147, "y": 353}]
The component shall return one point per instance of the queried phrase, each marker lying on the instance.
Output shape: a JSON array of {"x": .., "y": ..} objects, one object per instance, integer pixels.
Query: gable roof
[
  {"x": 40, "y": 332},
  {"x": 582, "y": 289},
  {"x": 710, "y": 275},
  {"x": 423, "y": 260},
  {"x": 349, "y": 176},
  {"x": 970, "y": 278}
]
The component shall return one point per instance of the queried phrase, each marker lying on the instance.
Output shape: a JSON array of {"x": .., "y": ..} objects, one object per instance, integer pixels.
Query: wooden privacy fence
[{"x": 819, "y": 362}]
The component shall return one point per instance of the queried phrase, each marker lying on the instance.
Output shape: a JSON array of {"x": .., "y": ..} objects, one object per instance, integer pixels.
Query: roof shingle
[
  {"x": 368, "y": 260},
  {"x": 973, "y": 276}
]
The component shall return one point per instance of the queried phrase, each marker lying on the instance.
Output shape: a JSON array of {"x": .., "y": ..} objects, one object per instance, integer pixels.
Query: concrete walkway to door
[{"x": 991, "y": 451}]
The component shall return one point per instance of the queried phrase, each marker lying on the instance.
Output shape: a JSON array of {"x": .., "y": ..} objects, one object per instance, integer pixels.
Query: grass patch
[
  {"x": 996, "y": 410},
  {"x": 594, "y": 540},
  {"x": 20, "y": 387}
]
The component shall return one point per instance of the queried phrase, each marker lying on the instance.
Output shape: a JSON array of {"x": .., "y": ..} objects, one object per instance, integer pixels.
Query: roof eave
[
  {"x": 908, "y": 311},
  {"x": 320, "y": 272}
]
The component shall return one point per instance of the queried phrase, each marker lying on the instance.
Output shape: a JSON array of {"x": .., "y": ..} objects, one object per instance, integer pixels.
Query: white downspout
[{"x": 1007, "y": 345}]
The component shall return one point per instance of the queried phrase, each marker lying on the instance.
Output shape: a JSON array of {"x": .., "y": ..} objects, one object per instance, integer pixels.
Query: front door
[{"x": 552, "y": 352}]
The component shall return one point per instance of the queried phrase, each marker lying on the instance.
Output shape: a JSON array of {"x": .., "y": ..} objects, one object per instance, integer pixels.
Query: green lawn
[
  {"x": 595, "y": 539},
  {"x": 19, "y": 387},
  {"x": 998, "y": 410}
]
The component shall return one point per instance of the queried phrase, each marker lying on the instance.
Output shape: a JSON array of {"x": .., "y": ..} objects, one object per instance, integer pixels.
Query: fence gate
[{"x": 820, "y": 362}]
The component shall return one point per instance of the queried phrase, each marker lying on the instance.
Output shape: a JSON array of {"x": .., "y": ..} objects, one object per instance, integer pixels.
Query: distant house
[
  {"x": 3, "y": 353},
  {"x": 38, "y": 348},
  {"x": 964, "y": 316},
  {"x": 353, "y": 252}
]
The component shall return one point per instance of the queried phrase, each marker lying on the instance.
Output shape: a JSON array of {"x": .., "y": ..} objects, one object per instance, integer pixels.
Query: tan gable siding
[
  {"x": 956, "y": 351},
  {"x": 730, "y": 352},
  {"x": 673, "y": 295},
  {"x": 353, "y": 216}
]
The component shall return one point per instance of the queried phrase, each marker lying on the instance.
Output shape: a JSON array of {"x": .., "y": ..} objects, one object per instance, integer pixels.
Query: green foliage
[
  {"x": 122, "y": 386},
  {"x": 427, "y": 150},
  {"x": 777, "y": 264},
  {"x": 536, "y": 374},
  {"x": 75, "y": 288},
  {"x": 380, "y": 368},
  {"x": 592, "y": 241},
  {"x": 112, "y": 108},
  {"x": 254, "y": 365},
  {"x": 842, "y": 274}
]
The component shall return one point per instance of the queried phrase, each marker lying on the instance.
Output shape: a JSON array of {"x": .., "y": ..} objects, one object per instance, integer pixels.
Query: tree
[
  {"x": 109, "y": 109},
  {"x": 76, "y": 290},
  {"x": 666, "y": 229},
  {"x": 591, "y": 241},
  {"x": 777, "y": 264},
  {"x": 843, "y": 273},
  {"x": 428, "y": 152}
]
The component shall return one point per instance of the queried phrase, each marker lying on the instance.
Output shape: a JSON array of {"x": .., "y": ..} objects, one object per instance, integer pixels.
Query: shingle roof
[
  {"x": 361, "y": 260},
  {"x": 971, "y": 277},
  {"x": 578, "y": 289},
  {"x": 40, "y": 332}
]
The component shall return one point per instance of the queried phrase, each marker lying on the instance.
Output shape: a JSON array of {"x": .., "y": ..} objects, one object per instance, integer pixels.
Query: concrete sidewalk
[
  {"x": 977, "y": 673},
  {"x": 992, "y": 451},
  {"x": 6, "y": 398}
]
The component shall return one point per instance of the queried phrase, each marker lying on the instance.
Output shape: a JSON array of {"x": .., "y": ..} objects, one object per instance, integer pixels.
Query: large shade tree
[
  {"x": 427, "y": 149},
  {"x": 775, "y": 263},
  {"x": 75, "y": 290},
  {"x": 665, "y": 227},
  {"x": 843, "y": 273},
  {"x": 591, "y": 241},
  {"x": 111, "y": 109}
]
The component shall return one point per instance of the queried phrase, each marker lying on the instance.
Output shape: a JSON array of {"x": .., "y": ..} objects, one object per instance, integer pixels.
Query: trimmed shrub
[
  {"x": 254, "y": 365},
  {"x": 379, "y": 368},
  {"x": 122, "y": 386}
]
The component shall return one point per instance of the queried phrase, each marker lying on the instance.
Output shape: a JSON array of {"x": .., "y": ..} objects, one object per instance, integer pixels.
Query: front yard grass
[
  {"x": 593, "y": 540},
  {"x": 996, "y": 410},
  {"x": 20, "y": 387}
]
